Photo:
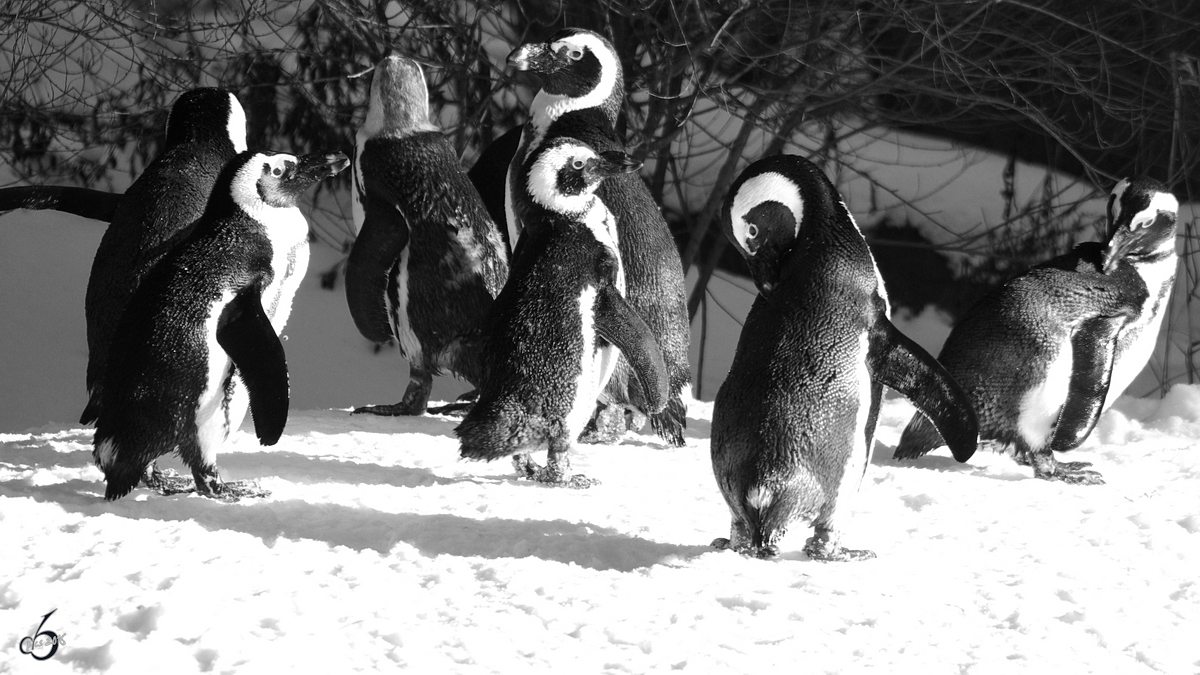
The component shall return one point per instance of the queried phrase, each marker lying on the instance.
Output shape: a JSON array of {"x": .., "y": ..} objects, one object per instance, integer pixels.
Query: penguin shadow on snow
[
  {"x": 584, "y": 544},
  {"x": 1004, "y": 469}
]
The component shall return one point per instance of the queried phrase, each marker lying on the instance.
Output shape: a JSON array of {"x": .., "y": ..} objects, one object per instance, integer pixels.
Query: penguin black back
[
  {"x": 205, "y": 129},
  {"x": 428, "y": 260},
  {"x": 794, "y": 421}
]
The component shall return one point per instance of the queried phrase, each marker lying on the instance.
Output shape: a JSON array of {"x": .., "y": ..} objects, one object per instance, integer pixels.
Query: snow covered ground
[{"x": 379, "y": 548}]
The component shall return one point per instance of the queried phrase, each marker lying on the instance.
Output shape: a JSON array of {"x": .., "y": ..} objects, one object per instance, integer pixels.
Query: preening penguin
[
  {"x": 202, "y": 330},
  {"x": 582, "y": 90},
  {"x": 428, "y": 260},
  {"x": 205, "y": 129},
  {"x": 794, "y": 422},
  {"x": 554, "y": 330},
  {"x": 1036, "y": 356}
]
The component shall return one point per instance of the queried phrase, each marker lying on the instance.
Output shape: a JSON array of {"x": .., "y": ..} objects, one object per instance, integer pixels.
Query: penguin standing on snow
[
  {"x": 203, "y": 328},
  {"x": 1040, "y": 356},
  {"x": 581, "y": 95},
  {"x": 794, "y": 421},
  {"x": 428, "y": 260},
  {"x": 205, "y": 129},
  {"x": 554, "y": 331}
]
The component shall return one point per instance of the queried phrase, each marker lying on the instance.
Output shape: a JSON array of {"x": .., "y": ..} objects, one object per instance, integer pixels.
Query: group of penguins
[{"x": 548, "y": 279}]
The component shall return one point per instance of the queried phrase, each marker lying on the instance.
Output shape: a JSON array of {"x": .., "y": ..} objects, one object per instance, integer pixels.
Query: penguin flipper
[
  {"x": 905, "y": 366},
  {"x": 1094, "y": 346},
  {"x": 83, "y": 202},
  {"x": 246, "y": 335},
  {"x": 617, "y": 322},
  {"x": 376, "y": 249}
]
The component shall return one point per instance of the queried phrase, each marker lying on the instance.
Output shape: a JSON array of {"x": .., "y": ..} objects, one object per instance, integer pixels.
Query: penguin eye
[
  {"x": 752, "y": 230},
  {"x": 277, "y": 171},
  {"x": 577, "y": 164},
  {"x": 575, "y": 54}
]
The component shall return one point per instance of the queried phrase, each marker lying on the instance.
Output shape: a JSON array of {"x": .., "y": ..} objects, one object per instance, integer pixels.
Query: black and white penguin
[
  {"x": 205, "y": 129},
  {"x": 582, "y": 90},
  {"x": 200, "y": 338},
  {"x": 1040, "y": 355},
  {"x": 554, "y": 330},
  {"x": 793, "y": 423},
  {"x": 428, "y": 260}
]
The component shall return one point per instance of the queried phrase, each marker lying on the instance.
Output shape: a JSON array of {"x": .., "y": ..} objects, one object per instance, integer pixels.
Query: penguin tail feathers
[
  {"x": 918, "y": 438},
  {"x": 493, "y": 431},
  {"x": 670, "y": 423},
  {"x": 121, "y": 476},
  {"x": 766, "y": 513}
]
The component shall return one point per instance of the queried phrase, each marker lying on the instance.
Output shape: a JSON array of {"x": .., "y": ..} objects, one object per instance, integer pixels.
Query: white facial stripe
[
  {"x": 1161, "y": 201},
  {"x": 547, "y": 108},
  {"x": 543, "y": 179},
  {"x": 236, "y": 125},
  {"x": 764, "y": 187},
  {"x": 245, "y": 185}
]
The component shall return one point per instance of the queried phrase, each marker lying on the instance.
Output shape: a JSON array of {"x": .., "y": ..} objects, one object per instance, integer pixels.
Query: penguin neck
[{"x": 548, "y": 108}]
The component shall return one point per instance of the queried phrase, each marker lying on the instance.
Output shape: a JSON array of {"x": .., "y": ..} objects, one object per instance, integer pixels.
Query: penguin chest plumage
[
  {"x": 399, "y": 305},
  {"x": 223, "y": 401},
  {"x": 1139, "y": 337},
  {"x": 1037, "y": 412},
  {"x": 594, "y": 360}
]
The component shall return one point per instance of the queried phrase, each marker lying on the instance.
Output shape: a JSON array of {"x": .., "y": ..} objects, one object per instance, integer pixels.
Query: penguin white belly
[
  {"x": 212, "y": 421},
  {"x": 290, "y": 268},
  {"x": 1040, "y": 405},
  {"x": 1139, "y": 338},
  {"x": 590, "y": 367},
  {"x": 410, "y": 346},
  {"x": 860, "y": 454}
]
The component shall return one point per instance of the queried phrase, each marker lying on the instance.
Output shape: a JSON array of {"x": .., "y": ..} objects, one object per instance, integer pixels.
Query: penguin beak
[
  {"x": 1118, "y": 246},
  {"x": 531, "y": 57},
  {"x": 764, "y": 269},
  {"x": 1126, "y": 241},
  {"x": 614, "y": 162},
  {"x": 315, "y": 167}
]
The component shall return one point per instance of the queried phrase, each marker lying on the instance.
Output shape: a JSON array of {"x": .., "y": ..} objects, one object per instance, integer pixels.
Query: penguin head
[
  {"x": 563, "y": 174},
  {"x": 277, "y": 180},
  {"x": 763, "y": 213},
  {"x": 399, "y": 102},
  {"x": 577, "y": 64},
  {"x": 207, "y": 114},
  {"x": 1141, "y": 221}
]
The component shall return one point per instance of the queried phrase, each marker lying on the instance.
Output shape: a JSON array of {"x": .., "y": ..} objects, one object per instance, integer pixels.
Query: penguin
[
  {"x": 205, "y": 129},
  {"x": 427, "y": 261},
  {"x": 199, "y": 340},
  {"x": 1039, "y": 355},
  {"x": 794, "y": 421},
  {"x": 488, "y": 175},
  {"x": 556, "y": 327},
  {"x": 582, "y": 89}
]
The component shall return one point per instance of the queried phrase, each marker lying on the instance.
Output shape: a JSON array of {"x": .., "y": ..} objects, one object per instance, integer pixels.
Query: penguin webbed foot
[
  {"x": 607, "y": 426},
  {"x": 209, "y": 484},
  {"x": 555, "y": 473},
  {"x": 823, "y": 547},
  {"x": 401, "y": 409},
  {"x": 166, "y": 481},
  {"x": 767, "y": 552},
  {"x": 415, "y": 401},
  {"x": 1046, "y": 467},
  {"x": 459, "y": 408}
]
